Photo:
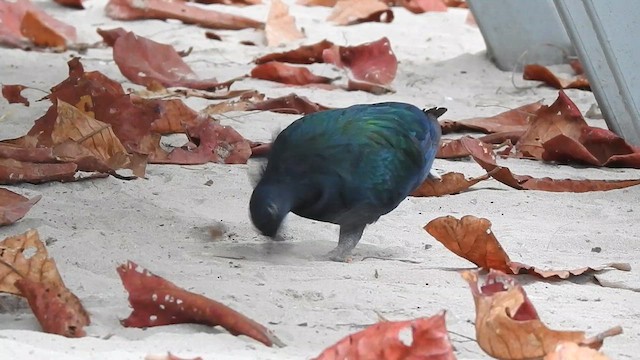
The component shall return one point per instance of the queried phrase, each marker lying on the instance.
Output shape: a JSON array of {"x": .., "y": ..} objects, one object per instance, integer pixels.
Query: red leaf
[
  {"x": 287, "y": 74},
  {"x": 57, "y": 309},
  {"x": 39, "y": 28},
  {"x": 14, "y": 207},
  {"x": 290, "y": 104},
  {"x": 76, "y": 4},
  {"x": 14, "y": 172},
  {"x": 146, "y": 62},
  {"x": 110, "y": 36},
  {"x": 422, "y": 338},
  {"x": 163, "y": 10},
  {"x": 422, "y": 6},
  {"x": 156, "y": 301},
  {"x": 306, "y": 54},
  {"x": 541, "y": 73},
  {"x": 372, "y": 62},
  {"x": 13, "y": 94},
  {"x": 210, "y": 142},
  {"x": 512, "y": 120}
]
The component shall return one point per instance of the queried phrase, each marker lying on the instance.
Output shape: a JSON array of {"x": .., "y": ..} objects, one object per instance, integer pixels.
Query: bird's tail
[{"x": 436, "y": 112}]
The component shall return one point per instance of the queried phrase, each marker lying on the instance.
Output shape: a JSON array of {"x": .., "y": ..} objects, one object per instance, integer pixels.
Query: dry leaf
[
  {"x": 14, "y": 207},
  {"x": 306, "y": 54},
  {"x": 350, "y": 12},
  {"x": 542, "y": 73},
  {"x": 507, "y": 325},
  {"x": 179, "y": 10},
  {"x": 75, "y": 4},
  {"x": 15, "y": 172},
  {"x": 36, "y": 277},
  {"x": 483, "y": 154},
  {"x": 372, "y": 62},
  {"x": 422, "y": 338},
  {"x": 449, "y": 183},
  {"x": 471, "y": 238},
  {"x": 13, "y": 94},
  {"x": 156, "y": 301},
  {"x": 287, "y": 74},
  {"x": 512, "y": 120},
  {"x": 289, "y": 104},
  {"x": 326, "y": 3},
  {"x": 281, "y": 26},
  {"x": 421, "y": 6},
  {"x": 110, "y": 36},
  {"x": 23, "y": 23},
  {"x": 146, "y": 62},
  {"x": 573, "y": 351}
]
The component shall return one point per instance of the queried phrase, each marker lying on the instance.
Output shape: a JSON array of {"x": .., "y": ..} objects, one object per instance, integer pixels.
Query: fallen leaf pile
[
  {"x": 508, "y": 325},
  {"x": 472, "y": 238},
  {"x": 36, "y": 278}
]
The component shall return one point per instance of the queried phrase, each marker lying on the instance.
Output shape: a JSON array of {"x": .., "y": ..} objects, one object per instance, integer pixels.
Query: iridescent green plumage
[{"x": 346, "y": 166}]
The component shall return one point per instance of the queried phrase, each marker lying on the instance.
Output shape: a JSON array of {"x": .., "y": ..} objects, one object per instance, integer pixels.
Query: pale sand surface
[{"x": 162, "y": 222}]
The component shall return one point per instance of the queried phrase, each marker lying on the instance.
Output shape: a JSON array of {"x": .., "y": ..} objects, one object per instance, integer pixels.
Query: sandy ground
[{"x": 163, "y": 222}]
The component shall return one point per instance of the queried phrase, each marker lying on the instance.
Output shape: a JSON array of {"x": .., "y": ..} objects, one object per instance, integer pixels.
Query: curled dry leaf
[
  {"x": 146, "y": 62},
  {"x": 542, "y": 73},
  {"x": 23, "y": 23},
  {"x": 454, "y": 148},
  {"x": 156, "y": 301},
  {"x": 14, "y": 207},
  {"x": 422, "y": 338},
  {"x": 372, "y": 62},
  {"x": 306, "y": 54},
  {"x": 76, "y": 4},
  {"x": 483, "y": 154},
  {"x": 281, "y": 26},
  {"x": 289, "y": 104},
  {"x": 507, "y": 324},
  {"x": 110, "y": 36},
  {"x": 560, "y": 133},
  {"x": 517, "y": 119},
  {"x": 163, "y": 10},
  {"x": 57, "y": 309},
  {"x": 449, "y": 183},
  {"x": 13, "y": 94},
  {"x": 287, "y": 74},
  {"x": 350, "y": 12},
  {"x": 472, "y": 238},
  {"x": 15, "y": 172}
]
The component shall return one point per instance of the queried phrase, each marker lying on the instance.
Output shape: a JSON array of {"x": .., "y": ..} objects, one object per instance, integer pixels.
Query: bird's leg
[{"x": 349, "y": 237}]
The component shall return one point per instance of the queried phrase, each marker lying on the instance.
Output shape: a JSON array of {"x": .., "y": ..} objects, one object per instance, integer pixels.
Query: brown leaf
[
  {"x": 306, "y": 54},
  {"x": 242, "y": 104},
  {"x": 421, "y": 6},
  {"x": 76, "y": 4},
  {"x": 287, "y": 74},
  {"x": 454, "y": 148},
  {"x": 485, "y": 157},
  {"x": 572, "y": 351},
  {"x": 326, "y": 3},
  {"x": 507, "y": 324},
  {"x": 372, "y": 62},
  {"x": 289, "y": 104},
  {"x": 14, "y": 207},
  {"x": 13, "y": 94},
  {"x": 15, "y": 172},
  {"x": 146, "y": 62},
  {"x": 512, "y": 120},
  {"x": 281, "y": 26},
  {"x": 209, "y": 142},
  {"x": 110, "y": 36},
  {"x": 260, "y": 149},
  {"x": 450, "y": 183},
  {"x": 429, "y": 340},
  {"x": 471, "y": 238},
  {"x": 212, "y": 36},
  {"x": 350, "y": 12},
  {"x": 44, "y": 31},
  {"x": 156, "y": 301},
  {"x": 57, "y": 309},
  {"x": 179, "y": 10},
  {"x": 36, "y": 277},
  {"x": 542, "y": 73},
  {"x": 230, "y": 2}
]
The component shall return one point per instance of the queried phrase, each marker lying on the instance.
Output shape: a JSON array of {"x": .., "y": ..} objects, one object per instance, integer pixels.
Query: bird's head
[{"x": 268, "y": 206}]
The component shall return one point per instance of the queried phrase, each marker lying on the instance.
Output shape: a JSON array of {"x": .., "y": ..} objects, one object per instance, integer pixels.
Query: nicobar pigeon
[{"x": 347, "y": 167}]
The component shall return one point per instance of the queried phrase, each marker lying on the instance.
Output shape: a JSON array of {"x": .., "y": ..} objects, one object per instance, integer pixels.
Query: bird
[{"x": 346, "y": 166}]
